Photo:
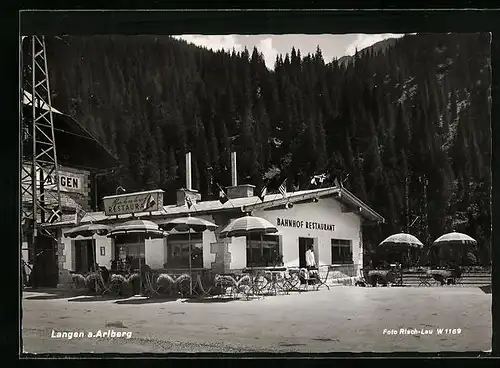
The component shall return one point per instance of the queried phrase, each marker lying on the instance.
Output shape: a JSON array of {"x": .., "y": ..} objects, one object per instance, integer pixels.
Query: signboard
[
  {"x": 124, "y": 204},
  {"x": 68, "y": 181},
  {"x": 301, "y": 224}
]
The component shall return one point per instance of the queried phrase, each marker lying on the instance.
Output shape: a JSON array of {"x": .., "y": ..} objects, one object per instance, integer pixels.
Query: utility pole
[{"x": 39, "y": 173}]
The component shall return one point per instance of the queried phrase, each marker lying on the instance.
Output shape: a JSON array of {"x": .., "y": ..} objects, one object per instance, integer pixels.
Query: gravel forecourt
[{"x": 344, "y": 319}]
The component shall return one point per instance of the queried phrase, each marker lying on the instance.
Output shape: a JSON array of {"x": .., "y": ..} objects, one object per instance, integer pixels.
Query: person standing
[
  {"x": 311, "y": 263},
  {"x": 310, "y": 259}
]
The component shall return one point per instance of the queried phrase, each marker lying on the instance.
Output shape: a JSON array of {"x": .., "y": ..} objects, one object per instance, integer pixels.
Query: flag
[
  {"x": 222, "y": 196},
  {"x": 80, "y": 214},
  {"x": 55, "y": 216},
  {"x": 189, "y": 202},
  {"x": 318, "y": 179},
  {"x": 150, "y": 202},
  {"x": 282, "y": 188},
  {"x": 263, "y": 193}
]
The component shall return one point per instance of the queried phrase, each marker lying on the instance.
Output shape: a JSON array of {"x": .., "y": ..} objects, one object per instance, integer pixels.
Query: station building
[{"x": 329, "y": 219}]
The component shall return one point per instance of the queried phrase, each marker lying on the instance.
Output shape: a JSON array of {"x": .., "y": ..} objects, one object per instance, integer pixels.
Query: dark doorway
[
  {"x": 84, "y": 256},
  {"x": 304, "y": 244},
  {"x": 45, "y": 271}
]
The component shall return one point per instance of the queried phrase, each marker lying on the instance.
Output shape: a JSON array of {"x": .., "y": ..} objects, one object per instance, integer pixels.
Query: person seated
[{"x": 455, "y": 273}]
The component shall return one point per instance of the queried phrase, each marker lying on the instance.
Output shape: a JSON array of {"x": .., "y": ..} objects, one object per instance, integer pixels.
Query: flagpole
[
  {"x": 192, "y": 204},
  {"x": 190, "y": 266},
  {"x": 274, "y": 200},
  {"x": 225, "y": 195}
]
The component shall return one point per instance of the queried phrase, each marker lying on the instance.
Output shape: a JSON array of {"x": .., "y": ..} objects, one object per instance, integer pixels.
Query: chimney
[
  {"x": 188, "y": 191},
  {"x": 235, "y": 190},
  {"x": 234, "y": 172},
  {"x": 189, "y": 185}
]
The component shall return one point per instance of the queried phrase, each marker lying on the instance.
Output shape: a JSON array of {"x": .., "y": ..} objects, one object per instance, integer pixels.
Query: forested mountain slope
[{"x": 416, "y": 113}]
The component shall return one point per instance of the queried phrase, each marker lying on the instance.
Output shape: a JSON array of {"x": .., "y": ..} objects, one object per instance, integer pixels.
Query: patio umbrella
[
  {"x": 455, "y": 238},
  {"x": 247, "y": 225},
  {"x": 401, "y": 240},
  {"x": 148, "y": 228},
  {"x": 189, "y": 224},
  {"x": 86, "y": 231}
]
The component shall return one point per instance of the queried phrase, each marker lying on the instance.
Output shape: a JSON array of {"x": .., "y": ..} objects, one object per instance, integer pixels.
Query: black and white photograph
[{"x": 255, "y": 193}]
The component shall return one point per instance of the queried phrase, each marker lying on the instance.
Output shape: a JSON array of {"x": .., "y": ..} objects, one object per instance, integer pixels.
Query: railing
[{"x": 343, "y": 271}]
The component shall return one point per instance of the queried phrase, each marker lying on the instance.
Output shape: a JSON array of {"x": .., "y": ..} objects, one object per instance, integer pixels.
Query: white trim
[{"x": 133, "y": 194}]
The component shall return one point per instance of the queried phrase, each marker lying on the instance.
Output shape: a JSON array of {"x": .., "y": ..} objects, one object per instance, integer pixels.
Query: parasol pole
[
  {"x": 190, "y": 273},
  {"x": 140, "y": 261},
  {"x": 94, "y": 260}
]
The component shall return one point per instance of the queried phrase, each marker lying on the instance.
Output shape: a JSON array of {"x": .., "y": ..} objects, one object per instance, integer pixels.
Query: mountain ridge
[{"x": 418, "y": 110}]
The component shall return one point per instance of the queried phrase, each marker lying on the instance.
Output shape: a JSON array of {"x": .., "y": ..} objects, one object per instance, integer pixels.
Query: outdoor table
[
  {"x": 440, "y": 275},
  {"x": 386, "y": 275}
]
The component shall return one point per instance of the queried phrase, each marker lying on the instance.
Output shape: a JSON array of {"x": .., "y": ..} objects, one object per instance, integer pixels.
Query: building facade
[{"x": 329, "y": 219}]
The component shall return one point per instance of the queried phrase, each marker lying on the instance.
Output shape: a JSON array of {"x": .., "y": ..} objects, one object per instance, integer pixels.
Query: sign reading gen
[
  {"x": 124, "y": 204},
  {"x": 68, "y": 181}
]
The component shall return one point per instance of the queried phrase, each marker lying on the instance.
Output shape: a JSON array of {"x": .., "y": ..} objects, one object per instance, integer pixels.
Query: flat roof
[
  {"x": 243, "y": 205},
  {"x": 134, "y": 193}
]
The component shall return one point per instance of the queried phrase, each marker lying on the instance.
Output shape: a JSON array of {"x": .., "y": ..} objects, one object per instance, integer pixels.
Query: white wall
[
  {"x": 107, "y": 243},
  {"x": 208, "y": 238},
  {"x": 155, "y": 252},
  {"x": 238, "y": 249},
  {"x": 327, "y": 210}
]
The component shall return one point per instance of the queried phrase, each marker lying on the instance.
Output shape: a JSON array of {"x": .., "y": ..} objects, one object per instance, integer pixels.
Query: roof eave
[{"x": 366, "y": 211}]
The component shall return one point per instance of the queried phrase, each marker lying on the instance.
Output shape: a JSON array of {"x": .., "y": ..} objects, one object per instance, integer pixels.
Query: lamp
[{"x": 120, "y": 189}]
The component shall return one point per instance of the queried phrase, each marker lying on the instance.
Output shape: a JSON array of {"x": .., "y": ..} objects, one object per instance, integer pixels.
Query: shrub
[
  {"x": 118, "y": 284},
  {"x": 92, "y": 281},
  {"x": 79, "y": 280},
  {"x": 165, "y": 283},
  {"x": 134, "y": 281}
]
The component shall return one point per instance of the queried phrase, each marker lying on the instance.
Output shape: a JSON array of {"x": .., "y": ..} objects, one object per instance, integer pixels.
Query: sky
[{"x": 331, "y": 45}]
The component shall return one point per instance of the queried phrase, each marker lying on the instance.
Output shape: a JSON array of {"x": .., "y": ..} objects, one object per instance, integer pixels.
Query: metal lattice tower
[{"x": 39, "y": 174}]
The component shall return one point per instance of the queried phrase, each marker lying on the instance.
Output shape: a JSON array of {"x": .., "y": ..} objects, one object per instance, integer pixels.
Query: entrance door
[
  {"x": 84, "y": 257},
  {"x": 304, "y": 244},
  {"x": 45, "y": 270}
]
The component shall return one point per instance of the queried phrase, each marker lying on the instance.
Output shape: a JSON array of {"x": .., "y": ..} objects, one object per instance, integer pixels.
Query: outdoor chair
[
  {"x": 307, "y": 280},
  {"x": 323, "y": 281},
  {"x": 425, "y": 279}
]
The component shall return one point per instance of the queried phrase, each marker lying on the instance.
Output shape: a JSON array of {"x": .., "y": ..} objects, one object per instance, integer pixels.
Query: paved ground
[{"x": 344, "y": 319}]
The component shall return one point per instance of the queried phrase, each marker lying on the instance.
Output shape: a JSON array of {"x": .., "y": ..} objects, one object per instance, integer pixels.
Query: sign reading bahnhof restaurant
[
  {"x": 301, "y": 224},
  {"x": 124, "y": 204}
]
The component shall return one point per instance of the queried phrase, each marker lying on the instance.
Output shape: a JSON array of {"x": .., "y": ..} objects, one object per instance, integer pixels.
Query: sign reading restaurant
[
  {"x": 301, "y": 224},
  {"x": 129, "y": 203}
]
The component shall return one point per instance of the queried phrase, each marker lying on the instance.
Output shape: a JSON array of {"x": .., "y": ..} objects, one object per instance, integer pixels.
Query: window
[
  {"x": 263, "y": 251},
  {"x": 129, "y": 247},
  {"x": 178, "y": 251},
  {"x": 341, "y": 251}
]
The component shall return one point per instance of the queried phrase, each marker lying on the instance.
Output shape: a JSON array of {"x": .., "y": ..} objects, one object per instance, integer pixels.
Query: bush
[
  {"x": 118, "y": 284},
  {"x": 134, "y": 281},
  {"x": 92, "y": 281},
  {"x": 165, "y": 283},
  {"x": 79, "y": 281}
]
